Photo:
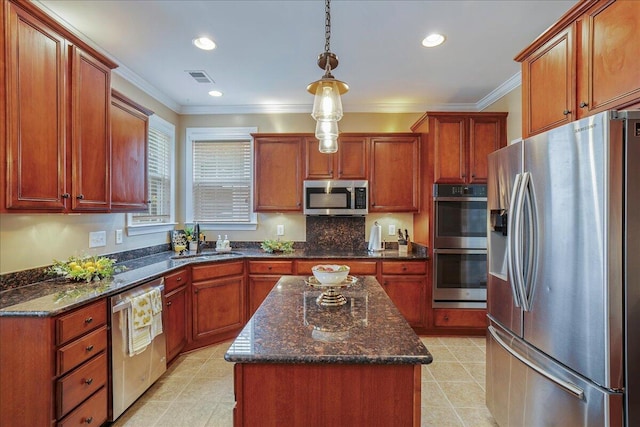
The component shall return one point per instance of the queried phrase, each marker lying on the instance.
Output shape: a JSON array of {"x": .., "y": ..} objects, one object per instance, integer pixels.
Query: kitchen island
[{"x": 301, "y": 364}]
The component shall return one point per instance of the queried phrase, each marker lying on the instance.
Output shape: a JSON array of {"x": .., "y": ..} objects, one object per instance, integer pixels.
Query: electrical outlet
[
  {"x": 97, "y": 239},
  {"x": 280, "y": 230},
  {"x": 118, "y": 237},
  {"x": 392, "y": 229}
]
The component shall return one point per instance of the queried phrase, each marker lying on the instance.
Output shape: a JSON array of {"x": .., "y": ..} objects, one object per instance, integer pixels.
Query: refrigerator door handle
[
  {"x": 510, "y": 239},
  {"x": 522, "y": 281},
  {"x": 567, "y": 386},
  {"x": 532, "y": 255}
]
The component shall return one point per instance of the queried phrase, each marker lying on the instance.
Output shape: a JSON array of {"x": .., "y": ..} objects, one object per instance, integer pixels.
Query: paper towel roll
[{"x": 375, "y": 238}]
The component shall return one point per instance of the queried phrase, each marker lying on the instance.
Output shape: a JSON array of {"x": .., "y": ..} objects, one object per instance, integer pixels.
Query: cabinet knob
[
  {"x": 464, "y": 175},
  {"x": 269, "y": 268},
  {"x": 404, "y": 268},
  {"x": 473, "y": 175},
  {"x": 88, "y": 381},
  {"x": 148, "y": 201},
  {"x": 88, "y": 320},
  {"x": 566, "y": 112},
  {"x": 90, "y": 347},
  {"x": 169, "y": 303},
  {"x": 80, "y": 196},
  {"x": 583, "y": 104},
  {"x": 88, "y": 420},
  {"x": 179, "y": 279},
  {"x": 446, "y": 317},
  {"x": 66, "y": 195}
]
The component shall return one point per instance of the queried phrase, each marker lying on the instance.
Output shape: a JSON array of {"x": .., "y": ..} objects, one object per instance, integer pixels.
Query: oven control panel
[{"x": 453, "y": 190}]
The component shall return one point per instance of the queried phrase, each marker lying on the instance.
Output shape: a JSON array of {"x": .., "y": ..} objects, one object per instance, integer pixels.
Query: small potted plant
[{"x": 192, "y": 239}]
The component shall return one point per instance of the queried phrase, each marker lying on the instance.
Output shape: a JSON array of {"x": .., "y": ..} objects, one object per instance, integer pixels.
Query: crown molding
[{"x": 506, "y": 87}]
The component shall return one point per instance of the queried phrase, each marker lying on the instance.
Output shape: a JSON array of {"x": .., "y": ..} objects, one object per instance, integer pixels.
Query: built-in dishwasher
[{"x": 134, "y": 365}]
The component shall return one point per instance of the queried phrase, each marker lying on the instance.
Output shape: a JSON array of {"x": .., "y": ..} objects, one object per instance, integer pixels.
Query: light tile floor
[{"x": 197, "y": 390}]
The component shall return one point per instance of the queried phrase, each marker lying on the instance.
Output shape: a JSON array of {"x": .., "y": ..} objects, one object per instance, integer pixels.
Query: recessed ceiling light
[
  {"x": 215, "y": 93},
  {"x": 433, "y": 40},
  {"x": 204, "y": 43}
]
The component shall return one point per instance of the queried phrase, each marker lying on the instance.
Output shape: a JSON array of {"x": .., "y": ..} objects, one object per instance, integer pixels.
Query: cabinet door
[
  {"x": 278, "y": 174},
  {"x": 129, "y": 134},
  {"x": 448, "y": 135},
  {"x": 486, "y": 134},
  {"x": 176, "y": 321},
  {"x": 408, "y": 295},
  {"x": 259, "y": 288},
  {"x": 548, "y": 86},
  {"x": 352, "y": 157},
  {"x": 394, "y": 174},
  {"x": 218, "y": 306},
  {"x": 36, "y": 115},
  {"x": 318, "y": 165},
  {"x": 609, "y": 57},
  {"x": 90, "y": 132}
]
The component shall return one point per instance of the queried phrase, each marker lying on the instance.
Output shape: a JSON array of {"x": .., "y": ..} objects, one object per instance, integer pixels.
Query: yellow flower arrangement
[{"x": 85, "y": 268}]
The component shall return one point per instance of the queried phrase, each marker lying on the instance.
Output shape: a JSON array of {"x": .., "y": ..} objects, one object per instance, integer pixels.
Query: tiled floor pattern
[{"x": 197, "y": 390}]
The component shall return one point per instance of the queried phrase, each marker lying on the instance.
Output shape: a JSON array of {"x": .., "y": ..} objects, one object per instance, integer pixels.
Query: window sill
[
  {"x": 252, "y": 226},
  {"x": 137, "y": 230}
]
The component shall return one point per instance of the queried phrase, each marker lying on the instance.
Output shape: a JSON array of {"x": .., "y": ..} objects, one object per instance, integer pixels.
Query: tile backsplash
[{"x": 336, "y": 233}]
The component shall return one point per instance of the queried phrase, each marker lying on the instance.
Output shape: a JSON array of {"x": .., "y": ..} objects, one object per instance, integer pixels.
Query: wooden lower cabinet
[
  {"x": 218, "y": 301},
  {"x": 406, "y": 284},
  {"x": 176, "y": 312},
  {"x": 263, "y": 275},
  {"x": 351, "y": 395},
  {"x": 55, "y": 369}
]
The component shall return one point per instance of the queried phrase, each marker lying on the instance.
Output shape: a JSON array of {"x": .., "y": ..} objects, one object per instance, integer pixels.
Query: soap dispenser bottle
[
  {"x": 226, "y": 245},
  {"x": 219, "y": 243}
]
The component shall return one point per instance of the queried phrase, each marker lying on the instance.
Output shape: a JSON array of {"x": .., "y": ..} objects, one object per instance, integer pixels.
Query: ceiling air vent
[{"x": 200, "y": 76}]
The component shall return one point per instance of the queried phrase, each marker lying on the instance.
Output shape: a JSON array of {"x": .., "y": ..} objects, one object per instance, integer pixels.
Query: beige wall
[{"x": 29, "y": 241}]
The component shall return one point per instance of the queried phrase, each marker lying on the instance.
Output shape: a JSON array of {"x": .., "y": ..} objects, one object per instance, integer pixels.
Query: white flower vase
[{"x": 193, "y": 246}]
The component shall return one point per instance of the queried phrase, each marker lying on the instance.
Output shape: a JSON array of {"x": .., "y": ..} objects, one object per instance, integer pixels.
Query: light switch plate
[
  {"x": 392, "y": 229},
  {"x": 118, "y": 237},
  {"x": 97, "y": 239},
  {"x": 280, "y": 230}
]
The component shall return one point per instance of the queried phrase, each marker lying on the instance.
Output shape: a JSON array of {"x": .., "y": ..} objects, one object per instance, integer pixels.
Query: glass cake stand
[{"x": 329, "y": 296}]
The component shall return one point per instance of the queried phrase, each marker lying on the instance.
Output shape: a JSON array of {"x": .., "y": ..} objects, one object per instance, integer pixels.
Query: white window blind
[
  {"x": 159, "y": 175},
  {"x": 222, "y": 181}
]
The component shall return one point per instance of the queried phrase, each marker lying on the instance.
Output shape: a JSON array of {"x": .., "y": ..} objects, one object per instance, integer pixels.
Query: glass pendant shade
[
  {"x": 327, "y": 104},
  {"x": 327, "y": 134}
]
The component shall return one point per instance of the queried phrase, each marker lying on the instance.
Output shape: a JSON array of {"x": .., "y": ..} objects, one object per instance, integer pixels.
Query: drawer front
[
  {"x": 72, "y": 325},
  {"x": 460, "y": 318},
  {"x": 79, "y": 384},
  {"x": 361, "y": 268},
  {"x": 270, "y": 267},
  {"x": 76, "y": 352},
  {"x": 175, "y": 280},
  {"x": 91, "y": 412},
  {"x": 215, "y": 270},
  {"x": 404, "y": 267}
]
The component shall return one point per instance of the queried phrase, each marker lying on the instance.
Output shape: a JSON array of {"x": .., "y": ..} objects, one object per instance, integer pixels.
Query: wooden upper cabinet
[
  {"x": 588, "y": 62},
  {"x": 129, "y": 143},
  {"x": 57, "y": 110},
  {"x": 608, "y": 57},
  {"x": 90, "y": 132},
  {"x": 395, "y": 162},
  {"x": 36, "y": 114},
  {"x": 350, "y": 162},
  {"x": 461, "y": 143},
  {"x": 548, "y": 91},
  {"x": 278, "y": 173}
]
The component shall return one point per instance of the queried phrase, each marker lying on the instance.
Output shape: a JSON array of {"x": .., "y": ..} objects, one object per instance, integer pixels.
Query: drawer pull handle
[
  {"x": 404, "y": 268},
  {"x": 89, "y": 420},
  {"x": 446, "y": 318},
  {"x": 269, "y": 268},
  {"x": 179, "y": 279},
  {"x": 90, "y": 347},
  {"x": 169, "y": 303},
  {"x": 88, "y": 320},
  {"x": 88, "y": 381}
]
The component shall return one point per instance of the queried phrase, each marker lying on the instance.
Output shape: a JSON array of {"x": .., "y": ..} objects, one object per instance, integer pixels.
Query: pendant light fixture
[{"x": 327, "y": 106}]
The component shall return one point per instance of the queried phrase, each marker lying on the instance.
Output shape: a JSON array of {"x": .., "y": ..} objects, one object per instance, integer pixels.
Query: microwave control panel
[{"x": 361, "y": 198}]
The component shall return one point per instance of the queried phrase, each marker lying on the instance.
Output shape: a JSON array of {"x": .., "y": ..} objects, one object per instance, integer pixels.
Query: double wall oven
[{"x": 460, "y": 245}]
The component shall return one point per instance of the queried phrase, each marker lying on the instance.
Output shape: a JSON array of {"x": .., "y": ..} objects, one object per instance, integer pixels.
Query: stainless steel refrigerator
[{"x": 563, "y": 290}]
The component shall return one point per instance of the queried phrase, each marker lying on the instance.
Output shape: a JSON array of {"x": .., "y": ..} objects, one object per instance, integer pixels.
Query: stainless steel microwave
[{"x": 335, "y": 197}]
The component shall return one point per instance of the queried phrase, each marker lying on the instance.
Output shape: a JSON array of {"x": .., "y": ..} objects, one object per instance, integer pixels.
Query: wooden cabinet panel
[
  {"x": 129, "y": 141},
  {"x": 358, "y": 268},
  {"x": 278, "y": 173},
  {"x": 404, "y": 267},
  {"x": 459, "y": 317},
  {"x": 176, "y": 321},
  {"x": 608, "y": 57},
  {"x": 408, "y": 295},
  {"x": 80, "y": 384},
  {"x": 93, "y": 411},
  {"x": 318, "y": 165},
  {"x": 218, "y": 306},
  {"x": 216, "y": 270},
  {"x": 36, "y": 114},
  {"x": 175, "y": 280},
  {"x": 83, "y": 349},
  {"x": 394, "y": 170},
  {"x": 350, "y": 162},
  {"x": 80, "y": 321},
  {"x": 270, "y": 267},
  {"x": 90, "y": 132},
  {"x": 486, "y": 135},
  {"x": 259, "y": 288},
  {"x": 449, "y": 151},
  {"x": 548, "y": 85}
]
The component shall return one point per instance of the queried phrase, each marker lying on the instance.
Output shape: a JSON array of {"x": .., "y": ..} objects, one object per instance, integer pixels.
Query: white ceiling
[{"x": 267, "y": 50}]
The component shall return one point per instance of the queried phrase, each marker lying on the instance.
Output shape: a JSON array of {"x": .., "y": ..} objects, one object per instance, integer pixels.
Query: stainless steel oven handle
[
  {"x": 459, "y": 199},
  {"x": 461, "y": 251},
  {"x": 125, "y": 303},
  {"x": 567, "y": 386}
]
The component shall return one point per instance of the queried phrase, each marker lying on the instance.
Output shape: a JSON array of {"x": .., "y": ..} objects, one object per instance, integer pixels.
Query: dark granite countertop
[
  {"x": 52, "y": 297},
  {"x": 290, "y": 327}
]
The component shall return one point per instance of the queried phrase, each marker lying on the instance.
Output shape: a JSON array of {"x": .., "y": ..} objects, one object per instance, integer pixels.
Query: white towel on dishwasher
[
  {"x": 156, "y": 308},
  {"x": 139, "y": 321}
]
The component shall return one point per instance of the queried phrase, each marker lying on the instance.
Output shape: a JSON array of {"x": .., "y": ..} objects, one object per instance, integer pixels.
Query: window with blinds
[
  {"x": 222, "y": 181},
  {"x": 160, "y": 175}
]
